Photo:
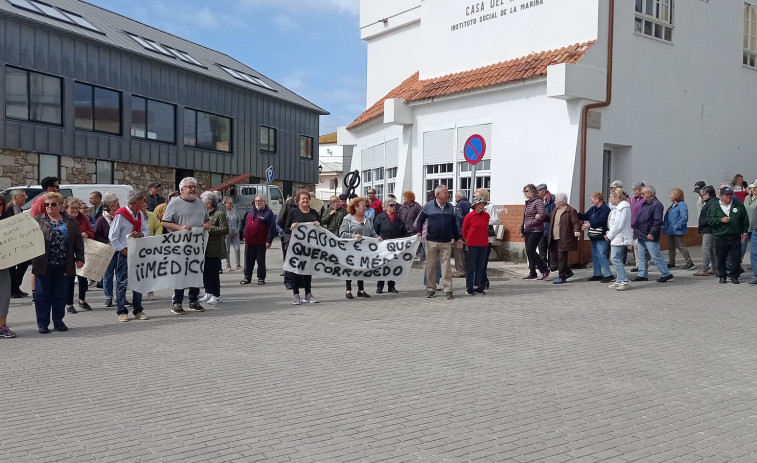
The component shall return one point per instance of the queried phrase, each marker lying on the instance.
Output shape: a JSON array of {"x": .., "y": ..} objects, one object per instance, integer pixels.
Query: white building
[
  {"x": 331, "y": 159},
  {"x": 572, "y": 93}
]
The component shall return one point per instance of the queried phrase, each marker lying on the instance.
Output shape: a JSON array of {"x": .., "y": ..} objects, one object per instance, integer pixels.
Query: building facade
[
  {"x": 571, "y": 94},
  {"x": 91, "y": 96}
]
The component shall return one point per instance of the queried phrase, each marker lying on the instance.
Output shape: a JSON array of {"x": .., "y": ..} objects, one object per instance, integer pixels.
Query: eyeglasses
[
  {"x": 190, "y": 187},
  {"x": 57, "y": 187},
  {"x": 51, "y": 204},
  {"x": 390, "y": 205}
]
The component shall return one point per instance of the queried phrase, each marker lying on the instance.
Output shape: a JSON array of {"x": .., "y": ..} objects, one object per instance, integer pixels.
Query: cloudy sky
[{"x": 312, "y": 47}]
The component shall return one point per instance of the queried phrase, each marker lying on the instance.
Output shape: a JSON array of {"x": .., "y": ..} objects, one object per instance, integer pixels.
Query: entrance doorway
[{"x": 182, "y": 174}]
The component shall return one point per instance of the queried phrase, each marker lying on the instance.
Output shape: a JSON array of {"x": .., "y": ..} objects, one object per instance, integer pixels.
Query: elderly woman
[
  {"x": 5, "y": 283},
  {"x": 232, "y": 239},
  {"x": 597, "y": 225},
  {"x": 409, "y": 210},
  {"x": 64, "y": 253},
  {"x": 564, "y": 230},
  {"x": 301, "y": 214},
  {"x": 356, "y": 225},
  {"x": 72, "y": 207},
  {"x": 675, "y": 225},
  {"x": 388, "y": 226},
  {"x": 219, "y": 228},
  {"x": 532, "y": 229},
  {"x": 102, "y": 230},
  {"x": 619, "y": 235},
  {"x": 493, "y": 220}
]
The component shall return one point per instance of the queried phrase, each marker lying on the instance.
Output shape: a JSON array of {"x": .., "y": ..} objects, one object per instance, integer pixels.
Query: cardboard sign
[
  {"x": 171, "y": 261},
  {"x": 316, "y": 251},
  {"x": 97, "y": 257},
  {"x": 20, "y": 240}
]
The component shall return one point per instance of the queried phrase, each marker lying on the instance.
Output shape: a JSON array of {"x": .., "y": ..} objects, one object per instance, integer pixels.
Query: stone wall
[
  {"x": 77, "y": 170},
  {"x": 18, "y": 168},
  {"x": 141, "y": 175}
]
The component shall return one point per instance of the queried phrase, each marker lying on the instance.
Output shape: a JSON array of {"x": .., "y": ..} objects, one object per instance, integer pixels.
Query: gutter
[{"x": 601, "y": 104}]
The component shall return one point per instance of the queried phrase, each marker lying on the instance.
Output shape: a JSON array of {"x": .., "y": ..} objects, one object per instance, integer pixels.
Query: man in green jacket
[
  {"x": 730, "y": 224},
  {"x": 332, "y": 217}
]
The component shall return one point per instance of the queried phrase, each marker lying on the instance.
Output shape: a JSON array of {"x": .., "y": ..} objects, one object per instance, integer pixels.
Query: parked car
[{"x": 80, "y": 191}]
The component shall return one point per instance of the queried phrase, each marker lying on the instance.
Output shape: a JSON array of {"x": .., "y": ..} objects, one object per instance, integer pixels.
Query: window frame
[
  {"x": 28, "y": 97},
  {"x": 92, "y": 108},
  {"x": 147, "y": 120},
  {"x": 39, "y": 165},
  {"x": 642, "y": 17},
  {"x": 309, "y": 142},
  {"x": 97, "y": 171},
  {"x": 749, "y": 54},
  {"x": 275, "y": 134},
  {"x": 196, "y": 144}
]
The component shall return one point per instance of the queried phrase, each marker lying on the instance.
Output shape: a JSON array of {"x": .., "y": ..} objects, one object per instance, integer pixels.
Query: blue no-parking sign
[
  {"x": 269, "y": 174},
  {"x": 474, "y": 149}
]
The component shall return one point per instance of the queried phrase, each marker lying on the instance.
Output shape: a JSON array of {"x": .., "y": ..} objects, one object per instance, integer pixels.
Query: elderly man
[
  {"x": 96, "y": 200},
  {"x": 375, "y": 203},
  {"x": 153, "y": 197},
  {"x": 709, "y": 259},
  {"x": 549, "y": 206},
  {"x": 127, "y": 222},
  {"x": 462, "y": 208},
  {"x": 186, "y": 212},
  {"x": 563, "y": 232},
  {"x": 647, "y": 231},
  {"x": 441, "y": 231},
  {"x": 730, "y": 224},
  {"x": 258, "y": 231},
  {"x": 17, "y": 272}
]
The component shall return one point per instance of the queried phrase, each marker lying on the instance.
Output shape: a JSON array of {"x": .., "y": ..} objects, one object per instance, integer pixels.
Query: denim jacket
[{"x": 676, "y": 219}]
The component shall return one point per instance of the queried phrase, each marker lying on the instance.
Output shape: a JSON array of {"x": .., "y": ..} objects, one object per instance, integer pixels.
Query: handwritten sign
[
  {"x": 97, "y": 257},
  {"x": 20, "y": 240},
  {"x": 316, "y": 251},
  {"x": 171, "y": 261}
]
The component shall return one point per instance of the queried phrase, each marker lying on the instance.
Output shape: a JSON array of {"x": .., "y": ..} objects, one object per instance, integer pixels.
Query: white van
[{"x": 77, "y": 191}]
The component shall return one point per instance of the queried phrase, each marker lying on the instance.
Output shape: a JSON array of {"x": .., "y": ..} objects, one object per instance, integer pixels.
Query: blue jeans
[
  {"x": 49, "y": 296},
  {"x": 110, "y": 274},
  {"x": 618, "y": 255},
  {"x": 122, "y": 281},
  {"x": 651, "y": 248},
  {"x": 599, "y": 258},
  {"x": 753, "y": 254},
  {"x": 743, "y": 245},
  {"x": 475, "y": 265}
]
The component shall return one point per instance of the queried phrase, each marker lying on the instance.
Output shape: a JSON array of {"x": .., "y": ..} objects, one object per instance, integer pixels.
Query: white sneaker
[
  {"x": 204, "y": 297},
  {"x": 310, "y": 298},
  {"x": 212, "y": 300},
  {"x": 296, "y": 300},
  {"x": 622, "y": 286},
  {"x": 613, "y": 285}
]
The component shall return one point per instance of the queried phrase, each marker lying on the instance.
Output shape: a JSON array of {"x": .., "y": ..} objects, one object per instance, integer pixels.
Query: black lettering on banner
[
  {"x": 356, "y": 245},
  {"x": 299, "y": 233},
  {"x": 372, "y": 246}
]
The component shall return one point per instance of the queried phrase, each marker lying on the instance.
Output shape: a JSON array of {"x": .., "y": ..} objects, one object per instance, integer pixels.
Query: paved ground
[{"x": 531, "y": 372}]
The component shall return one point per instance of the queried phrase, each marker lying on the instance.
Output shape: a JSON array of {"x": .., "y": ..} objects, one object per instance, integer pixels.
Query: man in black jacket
[
  {"x": 709, "y": 260},
  {"x": 462, "y": 208},
  {"x": 154, "y": 198}
]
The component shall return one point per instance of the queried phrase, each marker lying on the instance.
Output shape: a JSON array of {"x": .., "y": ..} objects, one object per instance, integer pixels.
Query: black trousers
[
  {"x": 563, "y": 270},
  {"x": 380, "y": 284},
  {"x": 360, "y": 286},
  {"x": 728, "y": 249},
  {"x": 253, "y": 255},
  {"x": 211, "y": 278},
  {"x": 546, "y": 254},
  {"x": 83, "y": 286},
  {"x": 534, "y": 261},
  {"x": 17, "y": 276}
]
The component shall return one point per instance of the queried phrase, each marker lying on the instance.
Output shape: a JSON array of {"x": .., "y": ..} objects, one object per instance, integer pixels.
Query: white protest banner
[
  {"x": 171, "y": 261},
  {"x": 316, "y": 251},
  {"x": 97, "y": 257},
  {"x": 20, "y": 240}
]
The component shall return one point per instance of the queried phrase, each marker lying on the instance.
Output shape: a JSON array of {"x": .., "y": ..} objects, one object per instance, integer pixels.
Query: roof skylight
[
  {"x": 55, "y": 13},
  {"x": 164, "y": 49},
  {"x": 246, "y": 77}
]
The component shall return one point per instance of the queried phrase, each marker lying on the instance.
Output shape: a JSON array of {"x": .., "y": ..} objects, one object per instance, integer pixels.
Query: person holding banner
[
  {"x": 18, "y": 199},
  {"x": 301, "y": 214},
  {"x": 185, "y": 213},
  {"x": 219, "y": 228},
  {"x": 258, "y": 231},
  {"x": 73, "y": 210},
  {"x": 102, "y": 232},
  {"x": 128, "y": 221},
  {"x": 64, "y": 253},
  {"x": 5, "y": 283},
  {"x": 388, "y": 226},
  {"x": 476, "y": 234},
  {"x": 356, "y": 225}
]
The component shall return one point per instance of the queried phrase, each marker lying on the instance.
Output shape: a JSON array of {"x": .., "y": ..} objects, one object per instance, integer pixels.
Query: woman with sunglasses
[
  {"x": 389, "y": 226},
  {"x": 64, "y": 253},
  {"x": 73, "y": 208},
  {"x": 532, "y": 230}
]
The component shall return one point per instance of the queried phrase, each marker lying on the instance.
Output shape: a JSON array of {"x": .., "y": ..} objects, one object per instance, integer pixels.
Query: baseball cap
[
  {"x": 726, "y": 191},
  {"x": 541, "y": 186},
  {"x": 154, "y": 185},
  {"x": 698, "y": 186},
  {"x": 752, "y": 185},
  {"x": 343, "y": 197}
]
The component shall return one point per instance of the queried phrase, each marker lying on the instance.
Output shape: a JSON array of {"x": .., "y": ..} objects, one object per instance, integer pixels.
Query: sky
[{"x": 312, "y": 47}]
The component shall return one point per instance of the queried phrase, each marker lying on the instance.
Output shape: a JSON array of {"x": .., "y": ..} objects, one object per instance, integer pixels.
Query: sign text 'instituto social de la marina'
[{"x": 480, "y": 12}]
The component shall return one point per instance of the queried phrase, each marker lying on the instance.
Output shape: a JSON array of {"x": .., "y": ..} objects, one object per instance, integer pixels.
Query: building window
[
  {"x": 391, "y": 172},
  {"x": 378, "y": 174},
  {"x": 481, "y": 182},
  {"x": 153, "y": 120},
  {"x": 431, "y": 185},
  {"x": 750, "y": 35},
  {"x": 439, "y": 168},
  {"x": 215, "y": 179},
  {"x": 267, "y": 139},
  {"x": 207, "y": 131},
  {"x": 465, "y": 166},
  {"x": 49, "y": 166},
  {"x": 104, "y": 172},
  {"x": 32, "y": 96},
  {"x": 97, "y": 109},
  {"x": 390, "y": 188},
  {"x": 366, "y": 176},
  {"x": 654, "y": 18},
  {"x": 306, "y": 147}
]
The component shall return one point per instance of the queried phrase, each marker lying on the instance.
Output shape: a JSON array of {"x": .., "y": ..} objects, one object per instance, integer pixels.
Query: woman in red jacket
[
  {"x": 72, "y": 208},
  {"x": 476, "y": 236}
]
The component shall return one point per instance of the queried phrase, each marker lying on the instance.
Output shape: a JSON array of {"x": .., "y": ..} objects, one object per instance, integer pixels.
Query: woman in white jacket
[{"x": 619, "y": 234}]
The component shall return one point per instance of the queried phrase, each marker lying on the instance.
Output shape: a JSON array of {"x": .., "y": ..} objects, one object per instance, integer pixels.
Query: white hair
[
  {"x": 209, "y": 197},
  {"x": 561, "y": 197},
  {"x": 187, "y": 180}
]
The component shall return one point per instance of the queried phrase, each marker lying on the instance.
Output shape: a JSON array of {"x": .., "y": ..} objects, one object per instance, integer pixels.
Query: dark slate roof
[{"x": 113, "y": 27}]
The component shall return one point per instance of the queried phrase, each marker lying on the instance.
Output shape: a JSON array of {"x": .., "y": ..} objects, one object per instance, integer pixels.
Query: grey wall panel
[
  {"x": 40, "y": 138},
  {"x": 90, "y": 150},
  {"x": 154, "y": 158},
  {"x": 103, "y": 148},
  {"x": 114, "y": 71},
  {"x": 80, "y": 142},
  {"x": 12, "y": 135},
  {"x": 3, "y": 32},
  {"x": 67, "y": 56},
  {"x": 91, "y": 63},
  {"x": 80, "y": 61},
  {"x": 26, "y": 137},
  {"x": 114, "y": 148},
  {"x": 26, "y": 46},
  {"x": 54, "y": 54},
  {"x": 40, "y": 50},
  {"x": 173, "y": 158},
  {"x": 11, "y": 41},
  {"x": 55, "y": 141},
  {"x": 103, "y": 68}
]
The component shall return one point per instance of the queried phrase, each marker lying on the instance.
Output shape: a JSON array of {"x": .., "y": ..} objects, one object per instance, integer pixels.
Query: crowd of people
[{"x": 624, "y": 231}]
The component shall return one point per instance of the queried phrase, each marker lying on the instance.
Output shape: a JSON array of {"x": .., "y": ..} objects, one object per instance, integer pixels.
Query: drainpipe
[{"x": 601, "y": 104}]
